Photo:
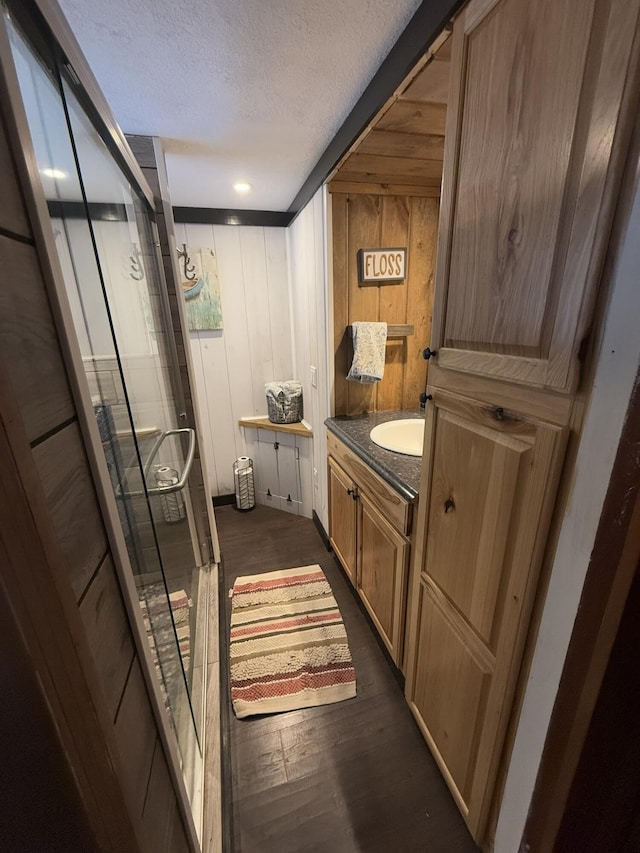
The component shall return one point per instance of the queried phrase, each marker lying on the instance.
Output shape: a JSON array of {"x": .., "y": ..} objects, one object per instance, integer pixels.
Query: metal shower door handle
[
  {"x": 184, "y": 476},
  {"x": 182, "y": 480}
]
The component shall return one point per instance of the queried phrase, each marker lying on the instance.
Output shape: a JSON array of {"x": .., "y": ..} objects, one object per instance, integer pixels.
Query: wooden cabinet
[
  {"x": 492, "y": 475},
  {"x": 382, "y": 574},
  {"x": 537, "y": 127},
  {"x": 368, "y": 521},
  {"x": 537, "y": 94},
  {"x": 343, "y": 518}
]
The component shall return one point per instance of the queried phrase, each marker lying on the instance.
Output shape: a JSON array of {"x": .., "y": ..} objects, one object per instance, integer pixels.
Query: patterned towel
[{"x": 369, "y": 340}]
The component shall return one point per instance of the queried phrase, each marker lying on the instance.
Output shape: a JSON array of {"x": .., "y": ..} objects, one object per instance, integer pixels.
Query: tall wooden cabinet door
[
  {"x": 489, "y": 490},
  {"x": 343, "y": 517},
  {"x": 538, "y": 122},
  {"x": 382, "y": 574}
]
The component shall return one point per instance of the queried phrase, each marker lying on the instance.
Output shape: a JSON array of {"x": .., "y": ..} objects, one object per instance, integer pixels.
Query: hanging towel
[{"x": 369, "y": 340}]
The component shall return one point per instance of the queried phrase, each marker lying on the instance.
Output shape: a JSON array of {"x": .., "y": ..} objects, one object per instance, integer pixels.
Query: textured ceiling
[{"x": 238, "y": 89}]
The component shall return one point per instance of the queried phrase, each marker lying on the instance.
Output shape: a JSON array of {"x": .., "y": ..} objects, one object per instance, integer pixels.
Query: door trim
[{"x": 613, "y": 563}]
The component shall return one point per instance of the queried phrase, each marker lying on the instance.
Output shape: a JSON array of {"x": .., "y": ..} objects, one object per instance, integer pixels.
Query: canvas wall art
[{"x": 201, "y": 288}]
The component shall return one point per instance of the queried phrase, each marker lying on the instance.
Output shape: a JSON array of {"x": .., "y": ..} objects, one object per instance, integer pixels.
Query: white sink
[{"x": 404, "y": 436}]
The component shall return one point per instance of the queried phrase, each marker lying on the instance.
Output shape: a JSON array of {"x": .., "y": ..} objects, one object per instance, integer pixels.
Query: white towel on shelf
[{"x": 369, "y": 341}]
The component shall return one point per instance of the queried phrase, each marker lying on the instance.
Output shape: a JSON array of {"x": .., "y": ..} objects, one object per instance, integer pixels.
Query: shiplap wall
[
  {"x": 309, "y": 311},
  {"x": 253, "y": 347},
  {"x": 272, "y": 287}
]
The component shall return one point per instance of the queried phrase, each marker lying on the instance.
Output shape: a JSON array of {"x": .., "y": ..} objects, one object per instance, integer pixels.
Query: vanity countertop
[{"x": 401, "y": 472}]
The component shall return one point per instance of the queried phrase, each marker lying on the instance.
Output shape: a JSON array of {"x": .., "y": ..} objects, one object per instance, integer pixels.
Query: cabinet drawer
[{"x": 382, "y": 496}]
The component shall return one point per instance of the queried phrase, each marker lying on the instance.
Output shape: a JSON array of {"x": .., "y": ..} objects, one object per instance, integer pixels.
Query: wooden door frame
[{"x": 611, "y": 569}]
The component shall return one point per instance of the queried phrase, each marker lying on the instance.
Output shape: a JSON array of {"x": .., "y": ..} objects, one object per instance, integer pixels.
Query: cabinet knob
[
  {"x": 424, "y": 397},
  {"x": 427, "y": 353},
  {"x": 353, "y": 493}
]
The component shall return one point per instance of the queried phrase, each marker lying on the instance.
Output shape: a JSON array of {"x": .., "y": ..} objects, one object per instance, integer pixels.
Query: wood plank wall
[
  {"x": 311, "y": 335},
  {"x": 372, "y": 221},
  {"x": 254, "y": 345},
  {"x": 31, "y": 355}
]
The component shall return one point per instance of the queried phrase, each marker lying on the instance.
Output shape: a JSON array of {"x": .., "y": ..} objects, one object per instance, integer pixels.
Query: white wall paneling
[
  {"x": 272, "y": 287},
  {"x": 307, "y": 270},
  {"x": 254, "y": 345}
]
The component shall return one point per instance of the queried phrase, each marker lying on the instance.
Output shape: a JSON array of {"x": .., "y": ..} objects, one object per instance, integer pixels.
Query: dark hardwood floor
[{"x": 353, "y": 776}]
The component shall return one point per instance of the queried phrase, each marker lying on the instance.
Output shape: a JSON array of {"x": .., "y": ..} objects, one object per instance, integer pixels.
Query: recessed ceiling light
[
  {"x": 54, "y": 173},
  {"x": 242, "y": 187}
]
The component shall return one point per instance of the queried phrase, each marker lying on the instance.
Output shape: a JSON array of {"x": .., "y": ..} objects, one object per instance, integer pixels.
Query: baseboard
[
  {"x": 224, "y": 500},
  {"x": 320, "y": 528}
]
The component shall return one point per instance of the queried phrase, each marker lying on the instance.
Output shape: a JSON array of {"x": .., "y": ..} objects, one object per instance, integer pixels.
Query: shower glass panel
[{"x": 104, "y": 239}]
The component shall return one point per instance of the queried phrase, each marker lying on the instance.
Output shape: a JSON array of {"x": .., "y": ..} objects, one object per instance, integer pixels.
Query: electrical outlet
[{"x": 314, "y": 376}]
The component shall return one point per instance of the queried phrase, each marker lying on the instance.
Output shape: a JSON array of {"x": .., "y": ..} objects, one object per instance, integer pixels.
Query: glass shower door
[{"x": 104, "y": 239}]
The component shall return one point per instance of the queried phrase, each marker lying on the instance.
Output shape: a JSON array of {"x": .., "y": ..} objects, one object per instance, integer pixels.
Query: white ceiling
[{"x": 248, "y": 90}]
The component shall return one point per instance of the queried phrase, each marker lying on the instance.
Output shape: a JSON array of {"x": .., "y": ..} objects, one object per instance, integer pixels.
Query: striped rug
[
  {"x": 163, "y": 627},
  {"x": 288, "y": 646}
]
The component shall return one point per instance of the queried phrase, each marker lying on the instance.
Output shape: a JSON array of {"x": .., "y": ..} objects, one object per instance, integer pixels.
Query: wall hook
[
  {"x": 188, "y": 267},
  {"x": 136, "y": 270}
]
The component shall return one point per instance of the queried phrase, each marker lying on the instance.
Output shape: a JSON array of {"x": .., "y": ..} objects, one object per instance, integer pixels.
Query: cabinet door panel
[
  {"x": 488, "y": 493},
  {"x": 382, "y": 575},
  {"x": 537, "y": 93},
  {"x": 342, "y": 518},
  {"x": 476, "y": 472},
  {"x": 451, "y": 694}
]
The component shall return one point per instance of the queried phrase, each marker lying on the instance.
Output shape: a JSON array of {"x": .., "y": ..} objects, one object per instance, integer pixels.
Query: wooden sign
[{"x": 381, "y": 266}]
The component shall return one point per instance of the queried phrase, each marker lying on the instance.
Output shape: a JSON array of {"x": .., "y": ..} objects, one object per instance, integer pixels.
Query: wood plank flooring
[{"x": 351, "y": 777}]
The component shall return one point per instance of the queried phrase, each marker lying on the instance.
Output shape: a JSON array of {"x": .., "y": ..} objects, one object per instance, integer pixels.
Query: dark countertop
[{"x": 400, "y": 471}]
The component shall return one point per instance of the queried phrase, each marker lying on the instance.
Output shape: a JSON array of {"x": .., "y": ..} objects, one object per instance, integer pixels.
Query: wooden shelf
[{"x": 265, "y": 423}]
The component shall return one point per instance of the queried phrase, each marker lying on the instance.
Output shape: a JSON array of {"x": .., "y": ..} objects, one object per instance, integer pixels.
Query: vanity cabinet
[
  {"x": 382, "y": 572},
  {"x": 369, "y": 525},
  {"x": 343, "y": 518}
]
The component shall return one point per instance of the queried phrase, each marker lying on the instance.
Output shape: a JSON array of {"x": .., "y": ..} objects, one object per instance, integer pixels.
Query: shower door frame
[{"x": 22, "y": 149}]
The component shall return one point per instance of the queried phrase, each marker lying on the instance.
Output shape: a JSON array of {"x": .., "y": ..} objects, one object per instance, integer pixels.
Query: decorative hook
[
  {"x": 189, "y": 268},
  {"x": 137, "y": 270}
]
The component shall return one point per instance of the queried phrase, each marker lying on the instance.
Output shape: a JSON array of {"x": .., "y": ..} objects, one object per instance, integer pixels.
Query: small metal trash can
[{"x": 243, "y": 480}]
